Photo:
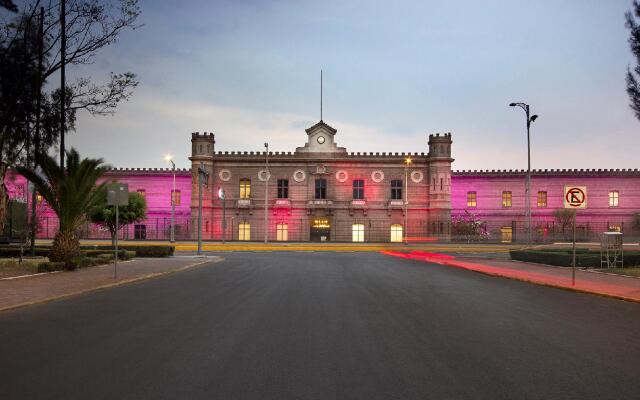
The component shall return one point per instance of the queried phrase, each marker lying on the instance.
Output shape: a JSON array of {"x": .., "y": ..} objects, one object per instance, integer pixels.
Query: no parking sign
[{"x": 575, "y": 197}]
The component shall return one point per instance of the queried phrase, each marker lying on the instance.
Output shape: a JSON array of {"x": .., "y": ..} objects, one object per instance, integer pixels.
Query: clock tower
[{"x": 320, "y": 139}]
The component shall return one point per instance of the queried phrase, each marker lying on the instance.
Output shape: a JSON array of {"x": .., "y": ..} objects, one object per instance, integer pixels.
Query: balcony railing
[
  {"x": 244, "y": 203},
  {"x": 282, "y": 203},
  {"x": 320, "y": 203},
  {"x": 396, "y": 203}
]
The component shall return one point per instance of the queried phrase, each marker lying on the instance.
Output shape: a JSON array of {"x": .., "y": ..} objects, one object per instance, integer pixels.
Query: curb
[{"x": 108, "y": 285}]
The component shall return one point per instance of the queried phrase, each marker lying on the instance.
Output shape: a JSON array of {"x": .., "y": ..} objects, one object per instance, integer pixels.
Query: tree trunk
[{"x": 66, "y": 246}]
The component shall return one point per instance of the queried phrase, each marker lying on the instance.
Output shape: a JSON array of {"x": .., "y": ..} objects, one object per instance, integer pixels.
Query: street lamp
[
  {"x": 202, "y": 175},
  {"x": 221, "y": 196},
  {"x": 530, "y": 119},
  {"x": 266, "y": 193},
  {"x": 407, "y": 162},
  {"x": 169, "y": 158}
]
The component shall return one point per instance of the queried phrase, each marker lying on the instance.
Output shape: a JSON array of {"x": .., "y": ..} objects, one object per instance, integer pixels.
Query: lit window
[
  {"x": 615, "y": 228},
  {"x": 321, "y": 188},
  {"x": 175, "y": 197},
  {"x": 614, "y": 196},
  {"x": 506, "y": 199},
  {"x": 357, "y": 232},
  {"x": 245, "y": 188},
  {"x": 396, "y": 189},
  {"x": 282, "y": 232},
  {"x": 142, "y": 192},
  {"x": 471, "y": 199},
  {"x": 396, "y": 233},
  {"x": 244, "y": 231},
  {"x": 38, "y": 198},
  {"x": 283, "y": 188},
  {"x": 358, "y": 189},
  {"x": 542, "y": 199}
]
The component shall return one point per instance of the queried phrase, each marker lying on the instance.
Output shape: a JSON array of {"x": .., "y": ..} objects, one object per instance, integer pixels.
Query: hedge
[
  {"x": 564, "y": 257},
  {"x": 50, "y": 266},
  {"x": 140, "y": 250},
  {"x": 14, "y": 251}
]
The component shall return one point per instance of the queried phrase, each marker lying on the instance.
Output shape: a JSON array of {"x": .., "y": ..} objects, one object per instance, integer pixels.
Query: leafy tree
[
  {"x": 70, "y": 191},
  {"x": 105, "y": 215},
  {"x": 633, "y": 76},
  {"x": 90, "y": 26}
]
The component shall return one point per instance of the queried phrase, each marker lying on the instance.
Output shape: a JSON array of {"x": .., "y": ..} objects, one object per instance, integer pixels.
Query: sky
[{"x": 394, "y": 72}]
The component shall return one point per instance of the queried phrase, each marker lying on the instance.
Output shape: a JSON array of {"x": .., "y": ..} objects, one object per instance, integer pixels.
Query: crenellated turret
[
  {"x": 202, "y": 152},
  {"x": 440, "y": 183}
]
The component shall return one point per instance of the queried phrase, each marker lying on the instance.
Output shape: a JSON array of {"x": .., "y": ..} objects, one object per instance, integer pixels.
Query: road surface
[{"x": 323, "y": 326}]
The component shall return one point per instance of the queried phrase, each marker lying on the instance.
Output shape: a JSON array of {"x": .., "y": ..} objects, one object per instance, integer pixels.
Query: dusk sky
[{"x": 393, "y": 72}]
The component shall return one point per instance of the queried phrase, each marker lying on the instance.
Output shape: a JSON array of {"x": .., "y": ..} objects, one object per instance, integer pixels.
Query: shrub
[
  {"x": 140, "y": 250},
  {"x": 122, "y": 254},
  {"x": 50, "y": 266},
  {"x": 585, "y": 258},
  {"x": 14, "y": 251}
]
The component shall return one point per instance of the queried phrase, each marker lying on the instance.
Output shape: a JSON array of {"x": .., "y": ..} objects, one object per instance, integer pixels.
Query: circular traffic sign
[{"x": 575, "y": 197}]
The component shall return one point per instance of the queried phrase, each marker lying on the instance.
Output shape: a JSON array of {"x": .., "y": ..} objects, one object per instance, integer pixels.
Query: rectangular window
[
  {"x": 542, "y": 199},
  {"x": 283, "y": 188},
  {"x": 357, "y": 232},
  {"x": 614, "y": 197},
  {"x": 506, "y": 199},
  {"x": 471, "y": 199},
  {"x": 244, "y": 231},
  {"x": 358, "y": 189},
  {"x": 321, "y": 188},
  {"x": 245, "y": 188},
  {"x": 396, "y": 233},
  {"x": 396, "y": 189},
  {"x": 140, "y": 231},
  {"x": 282, "y": 232},
  {"x": 175, "y": 197},
  {"x": 142, "y": 192}
]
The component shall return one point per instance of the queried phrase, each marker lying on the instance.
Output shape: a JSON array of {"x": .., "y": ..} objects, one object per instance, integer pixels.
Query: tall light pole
[
  {"x": 407, "y": 162},
  {"x": 169, "y": 158},
  {"x": 224, "y": 212},
  {"x": 530, "y": 119},
  {"x": 266, "y": 193},
  {"x": 202, "y": 173}
]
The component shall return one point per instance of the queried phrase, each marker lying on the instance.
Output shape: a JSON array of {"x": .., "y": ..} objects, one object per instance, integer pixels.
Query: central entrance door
[{"x": 320, "y": 230}]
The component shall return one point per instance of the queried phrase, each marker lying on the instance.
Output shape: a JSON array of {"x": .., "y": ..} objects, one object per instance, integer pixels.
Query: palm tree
[{"x": 70, "y": 192}]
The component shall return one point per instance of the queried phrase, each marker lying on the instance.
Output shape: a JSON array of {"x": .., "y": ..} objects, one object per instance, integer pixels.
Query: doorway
[{"x": 320, "y": 230}]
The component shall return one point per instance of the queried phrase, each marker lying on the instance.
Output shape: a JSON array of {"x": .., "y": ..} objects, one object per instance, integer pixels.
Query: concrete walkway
[
  {"x": 620, "y": 287},
  {"x": 40, "y": 288}
]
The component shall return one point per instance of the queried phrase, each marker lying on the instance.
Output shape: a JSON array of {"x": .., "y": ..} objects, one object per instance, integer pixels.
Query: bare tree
[
  {"x": 90, "y": 26},
  {"x": 633, "y": 76}
]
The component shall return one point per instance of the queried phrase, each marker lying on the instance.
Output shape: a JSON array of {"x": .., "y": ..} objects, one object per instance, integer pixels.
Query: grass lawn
[
  {"x": 12, "y": 267},
  {"x": 631, "y": 271}
]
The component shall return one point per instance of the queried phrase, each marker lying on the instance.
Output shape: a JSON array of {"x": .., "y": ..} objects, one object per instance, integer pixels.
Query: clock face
[{"x": 320, "y": 139}]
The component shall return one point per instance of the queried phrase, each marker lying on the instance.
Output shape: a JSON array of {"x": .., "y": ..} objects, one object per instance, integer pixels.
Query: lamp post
[
  {"x": 530, "y": 119},
  {"x": 224, "y": 212},
  {"x": 169, "y": 158},
  {"x": 202, "y": 173},
  {"x": 266, "y": 193},
  {"x": 407, "y": 162}
]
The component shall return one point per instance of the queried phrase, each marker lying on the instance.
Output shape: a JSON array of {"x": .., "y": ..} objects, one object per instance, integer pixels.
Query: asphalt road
[{"x": 323, "y": 326}]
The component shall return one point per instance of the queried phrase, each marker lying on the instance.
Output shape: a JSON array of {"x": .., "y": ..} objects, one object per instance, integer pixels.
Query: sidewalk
[
  {"x": 620, "y": 287},
  {"x": 46, "y": 287}
]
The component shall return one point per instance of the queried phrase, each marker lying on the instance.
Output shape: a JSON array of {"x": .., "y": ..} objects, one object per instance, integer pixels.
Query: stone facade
[{"x": 330, "y": 194}]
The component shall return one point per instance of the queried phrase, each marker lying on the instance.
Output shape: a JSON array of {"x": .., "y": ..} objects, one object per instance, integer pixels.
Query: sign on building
[
  {"x": 575, "y": 197},
  {"x": 118, "y": 194}
]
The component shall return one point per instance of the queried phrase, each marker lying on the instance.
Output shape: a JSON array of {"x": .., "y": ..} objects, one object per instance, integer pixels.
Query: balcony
[
  {"x": 244, "y": 203},
  {"x": 358, "y": 204},
  {"x": 282, "y": 203},
  {"x": 320, "y": 203},
  {"x": 396, "y": 203}
]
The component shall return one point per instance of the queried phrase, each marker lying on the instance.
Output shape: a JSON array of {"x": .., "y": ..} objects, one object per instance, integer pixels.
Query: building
[{"x": 321, "y": 192}]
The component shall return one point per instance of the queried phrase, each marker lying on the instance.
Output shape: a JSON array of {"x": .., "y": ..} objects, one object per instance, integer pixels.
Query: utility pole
[
  {"x": 63, "y": 51},
  {"x": 266, "y": 193},
  {"x": 222, "y": 196}
]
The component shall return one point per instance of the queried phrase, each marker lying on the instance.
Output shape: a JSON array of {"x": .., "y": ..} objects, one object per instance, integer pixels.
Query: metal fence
[{"x": 368, "y": 230}]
